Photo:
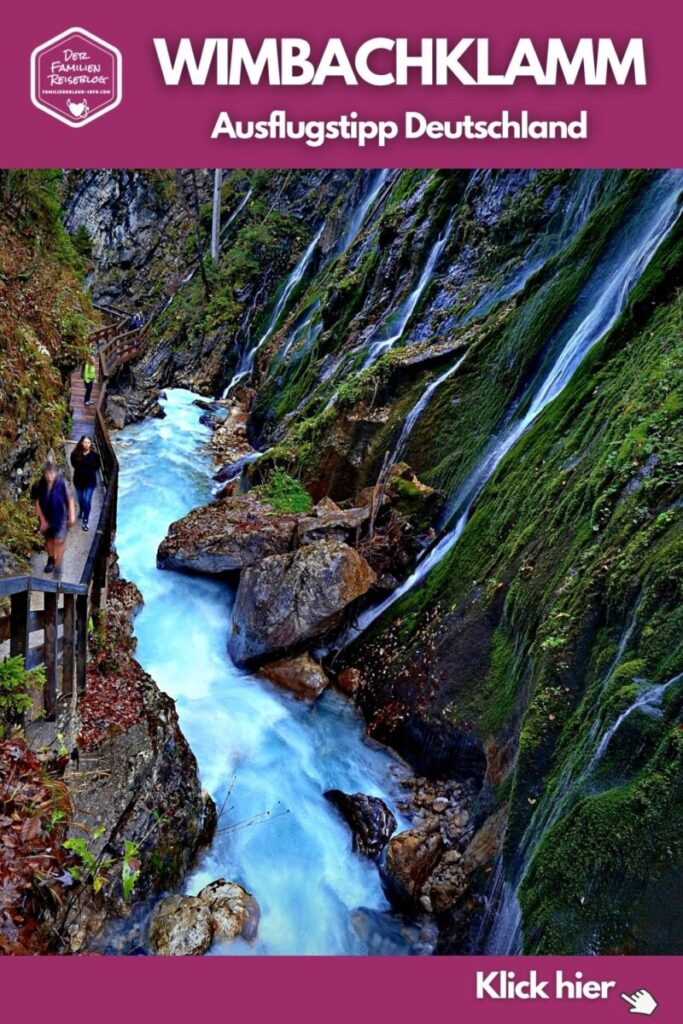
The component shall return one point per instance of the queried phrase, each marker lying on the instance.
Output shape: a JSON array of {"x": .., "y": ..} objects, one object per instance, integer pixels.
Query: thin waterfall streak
[
  {"x": 420, "y": 406},
  {"x": 409, "y": 304},
  {"x": 651, "y": 696}
]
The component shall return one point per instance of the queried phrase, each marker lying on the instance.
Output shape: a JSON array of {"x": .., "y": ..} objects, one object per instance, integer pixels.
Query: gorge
[{"x": 416, "y": 433}]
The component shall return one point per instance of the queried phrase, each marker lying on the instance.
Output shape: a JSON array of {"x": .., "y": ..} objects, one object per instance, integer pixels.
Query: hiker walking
[
  {"x": 86, "y": 464},
  {"x": 55, "y": 510},
  {"x": 88, "y": 375}
]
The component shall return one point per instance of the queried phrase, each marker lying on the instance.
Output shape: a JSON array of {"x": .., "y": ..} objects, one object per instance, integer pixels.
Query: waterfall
[
  {"x": 407, "y": 307},
  {"x": 651, "y": 696},
  {"x": 357, "y": 220},
  {"x": 420, "y": 406},
  {"x": 597, "y": 309}
]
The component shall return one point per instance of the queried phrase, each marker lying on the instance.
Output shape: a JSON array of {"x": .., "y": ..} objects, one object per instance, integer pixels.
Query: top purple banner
[{"x": 352, "y": 85}]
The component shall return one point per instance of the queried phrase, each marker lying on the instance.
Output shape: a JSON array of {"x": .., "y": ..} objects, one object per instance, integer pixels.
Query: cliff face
[{"x": 516, "y": 338}]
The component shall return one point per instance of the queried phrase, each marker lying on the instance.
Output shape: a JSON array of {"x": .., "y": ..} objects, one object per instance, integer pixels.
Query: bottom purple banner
[{"x": 480, "y": 989}]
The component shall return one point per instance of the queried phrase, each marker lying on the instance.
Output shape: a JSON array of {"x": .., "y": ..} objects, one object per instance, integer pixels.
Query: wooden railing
[{"x": 56, "y": 635}]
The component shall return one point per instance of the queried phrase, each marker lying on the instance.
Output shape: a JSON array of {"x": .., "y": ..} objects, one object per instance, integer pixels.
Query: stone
[
  {"x": 224, "y": 536},
  {"x": 301, "y": 675},
  {"x": 371, "y": 822},
  {"x": 349, "y": 680},
  {"x": 286, "y": 600},
  {"x": 115, "y": 411},
  {"x": 331, "y": 524},
  {"x": 181, "y": 926},
  {"x": 440, "y": 804},
  {"x": 410, "y": 859},
  {"x": 234, "y": 911}
]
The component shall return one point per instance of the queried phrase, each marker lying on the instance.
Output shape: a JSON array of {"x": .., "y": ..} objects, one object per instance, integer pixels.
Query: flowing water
[
  {"x": 247, "y": 362},
  {"x": 595, "y": 311},
  {"x": 647, "y": 698},
  {"x": 269, "y": 755},
  {"x": 399, "y": 319}
]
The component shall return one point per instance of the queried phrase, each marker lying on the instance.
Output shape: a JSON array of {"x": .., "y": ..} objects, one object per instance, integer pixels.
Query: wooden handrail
[{"x": 65, "y": 656}]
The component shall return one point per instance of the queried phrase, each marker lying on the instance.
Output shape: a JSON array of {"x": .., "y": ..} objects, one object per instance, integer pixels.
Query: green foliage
[
  {"x": 285, "y": 494},
  {"x": 130, "y": 867},
  {"x": 91, "y": 868},
  {"x": 16, "y": 684}
]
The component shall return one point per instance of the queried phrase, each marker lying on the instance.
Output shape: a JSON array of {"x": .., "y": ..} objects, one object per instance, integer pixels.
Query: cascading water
[
  {"x": 281, "y": 838},
  {"x": 420, "y": 406},
  {"x": 357, "y": 220},
  {"x": 399, "y": 321},
  {"x": 646, "y": 699},
  {"x": 246, "y": 364},
  {"x": 596, "y": 310},
  {"x": 546, "y": 247}
]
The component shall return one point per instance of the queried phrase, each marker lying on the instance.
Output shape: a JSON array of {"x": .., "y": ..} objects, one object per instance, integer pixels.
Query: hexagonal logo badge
[{"x": 76, "y": 77}]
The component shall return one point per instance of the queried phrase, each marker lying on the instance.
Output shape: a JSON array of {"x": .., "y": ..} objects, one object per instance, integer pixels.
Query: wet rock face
[
  {"x": 224, "y": 536},
  {"x": 370, "y": 820},
  {"x": 285, "y": 600},
  {"x": 143, "y": 783},
  {"x": 136, "y": 221},
  {"x": 302, "y": 676}
]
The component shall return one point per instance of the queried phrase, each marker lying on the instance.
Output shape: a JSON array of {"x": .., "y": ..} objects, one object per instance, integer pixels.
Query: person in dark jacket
[
  {"x": 55, "y": 510},
  {"x": 86, "y": 463}
]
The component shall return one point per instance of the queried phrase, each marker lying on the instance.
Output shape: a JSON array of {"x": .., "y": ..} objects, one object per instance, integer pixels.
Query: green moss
[{"x": 285, "y": 494}]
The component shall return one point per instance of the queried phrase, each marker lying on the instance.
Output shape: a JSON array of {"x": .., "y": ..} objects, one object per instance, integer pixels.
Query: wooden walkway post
[
  {"x": 51, "y": 655},
  {"x": 19, "y": 625},
  {"x": 81, "y": 641},
  {"x": 69, "y": 646}
]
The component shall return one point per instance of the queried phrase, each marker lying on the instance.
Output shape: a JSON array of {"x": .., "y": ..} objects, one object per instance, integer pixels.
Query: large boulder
[
  {"x": 226, "y": 535},
  {"x": 410, "y": 859},
  {"x": 371, "y": 822},
  {"x": 234, "y": 911},
  {"x": 301, "y": 675},
  {"x": 329, "y": 522},
  {"x": 288, "y": 599},
  {"x": 181, "y": 926}
]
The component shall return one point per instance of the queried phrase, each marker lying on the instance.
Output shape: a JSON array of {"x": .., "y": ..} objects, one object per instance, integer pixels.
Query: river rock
[
  {"x": 234, "y": 911},
  {"x": 225, "y": 535},
  {"x": 410, "y": 859},
  {"x": 328, "y": 523},
  {"x": 349, "y": 680},
  {"x": 372, "y": 823},
  {"x": 115, "y": 411},
  {"x": 301, "y": 675},
  {"x": 181, "y": 926},
  {"x": 285, "y": 600}
]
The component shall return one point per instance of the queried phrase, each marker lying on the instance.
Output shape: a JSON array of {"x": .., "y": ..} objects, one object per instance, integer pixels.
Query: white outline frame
[{"x": 118, "y": 60}]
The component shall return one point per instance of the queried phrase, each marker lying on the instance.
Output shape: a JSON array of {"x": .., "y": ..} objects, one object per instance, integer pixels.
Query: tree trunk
[
  {"x": 216, "y": 215},
  {"x": 198, "y": 233}
]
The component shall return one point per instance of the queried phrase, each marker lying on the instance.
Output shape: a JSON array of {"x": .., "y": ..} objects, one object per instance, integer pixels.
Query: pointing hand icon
[{"x": 641, "y": 1002}]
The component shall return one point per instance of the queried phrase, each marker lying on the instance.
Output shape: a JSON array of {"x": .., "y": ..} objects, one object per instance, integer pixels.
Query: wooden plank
[
  {"x": 36, "y": 619},
  {"x": 69, "y": 646},
  {"x": 81, "y": 641},
  {"x": 36, "y": 656},
  {"x": 19, "y": 631},
  {"x": 51, "y": 656}
]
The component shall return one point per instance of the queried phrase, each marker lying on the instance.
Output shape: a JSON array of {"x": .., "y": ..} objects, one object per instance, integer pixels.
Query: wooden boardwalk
[{"x": 78, "y": 542}]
